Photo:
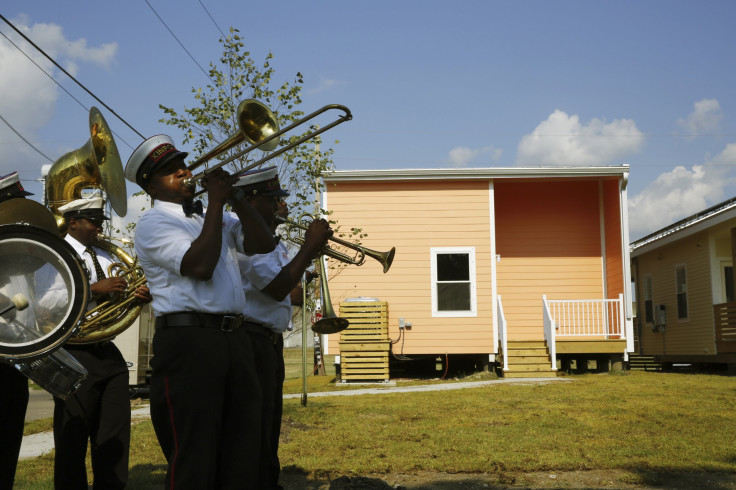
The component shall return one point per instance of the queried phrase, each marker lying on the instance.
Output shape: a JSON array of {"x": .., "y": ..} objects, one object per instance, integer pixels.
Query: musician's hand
[
  {"x": 109, "y": 285},
  {"x": 219, "y": 185},
  {"x": 143, "y": 294},
  {"x": 311, "y": 275},
  {"x": 316, "y": 235}
]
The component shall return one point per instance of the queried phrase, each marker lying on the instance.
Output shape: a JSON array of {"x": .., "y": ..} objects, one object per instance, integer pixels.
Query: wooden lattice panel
[
  {"x": 364, "y": 361},
  {"x": 368, "y": 321}
]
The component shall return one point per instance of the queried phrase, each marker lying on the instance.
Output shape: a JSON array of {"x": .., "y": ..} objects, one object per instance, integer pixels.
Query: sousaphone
[
  {"x": 97, "y": 165},
  {"x": 43, "y": 297}
]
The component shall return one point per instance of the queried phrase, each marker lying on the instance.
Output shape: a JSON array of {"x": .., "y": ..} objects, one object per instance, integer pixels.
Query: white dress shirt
[
  {"x": 162, "y": 237},
  {"x": 258, "y": 271},
  {"x": 55, "y": 294}
]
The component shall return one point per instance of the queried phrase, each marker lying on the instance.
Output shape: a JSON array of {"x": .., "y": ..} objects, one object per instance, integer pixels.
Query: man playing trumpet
[
  {"x": 205, "y": 395},
  {"x": 268, "y": 280}
]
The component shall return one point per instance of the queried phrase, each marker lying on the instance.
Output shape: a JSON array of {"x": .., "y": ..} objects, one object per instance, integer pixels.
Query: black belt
[
  {"x": 259, "y": 329},
  {"x": 226, "y": 323}
]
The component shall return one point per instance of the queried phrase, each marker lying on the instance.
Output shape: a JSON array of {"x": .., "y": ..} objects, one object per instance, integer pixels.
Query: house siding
[
  {"x": 692, "y": 336},
  {"x": 613, "y": 240},
  {"x": 415, "y": 217},
  {"x": 549, "y": 243}
]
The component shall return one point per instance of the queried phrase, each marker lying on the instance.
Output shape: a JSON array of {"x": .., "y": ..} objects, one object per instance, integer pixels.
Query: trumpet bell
[{"x": 385, "y": 258}]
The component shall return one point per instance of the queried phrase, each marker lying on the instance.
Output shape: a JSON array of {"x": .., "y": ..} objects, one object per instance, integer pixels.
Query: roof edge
[{"x": 476, "y": 173}]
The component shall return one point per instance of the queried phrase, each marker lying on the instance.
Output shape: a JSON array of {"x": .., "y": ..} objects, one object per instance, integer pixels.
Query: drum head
[{"x": 43, "y": 291}]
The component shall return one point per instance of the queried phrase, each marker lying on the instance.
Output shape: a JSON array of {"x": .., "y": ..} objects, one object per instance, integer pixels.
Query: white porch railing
[
  {"x": 549, "y": 332},
  {"x": 502, "y": 334},
  {"x": 588, "y": 317}
]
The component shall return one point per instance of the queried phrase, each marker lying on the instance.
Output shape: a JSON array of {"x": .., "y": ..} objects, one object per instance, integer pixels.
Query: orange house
[{"x": 522, "y": 268}]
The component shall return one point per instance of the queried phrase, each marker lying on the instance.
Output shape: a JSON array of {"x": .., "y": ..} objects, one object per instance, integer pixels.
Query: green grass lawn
[{"x": 636, "y": 422}]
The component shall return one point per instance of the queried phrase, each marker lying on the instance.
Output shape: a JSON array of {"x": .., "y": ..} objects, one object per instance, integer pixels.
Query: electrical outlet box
[{"x": 402, "y": 323}]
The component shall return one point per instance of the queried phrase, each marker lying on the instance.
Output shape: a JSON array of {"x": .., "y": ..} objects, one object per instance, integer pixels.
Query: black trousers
[
  {"x": 269, "y": 355},
  {"x": 14, "y": 400},
  {"x": 99, "y": 412},
  {"x": 206, "y": 407}
]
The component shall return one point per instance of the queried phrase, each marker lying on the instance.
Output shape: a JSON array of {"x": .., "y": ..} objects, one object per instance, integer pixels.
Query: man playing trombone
[
  {"x": 268, "y": 280},
  {"x": 205, "y": 395}
]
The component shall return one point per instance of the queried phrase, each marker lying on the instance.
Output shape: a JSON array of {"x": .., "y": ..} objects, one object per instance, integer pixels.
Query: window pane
[
  {"x": 453, "y": 267},
  {"x": 682, "y": 306},
  {"x": 729, "y": 283},
  {"x": 453, "y": 296},
  {"x": 648, "y": 311}
]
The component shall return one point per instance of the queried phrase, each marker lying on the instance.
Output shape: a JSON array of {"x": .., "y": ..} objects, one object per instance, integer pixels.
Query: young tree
[{"x": 235, "y": 78}]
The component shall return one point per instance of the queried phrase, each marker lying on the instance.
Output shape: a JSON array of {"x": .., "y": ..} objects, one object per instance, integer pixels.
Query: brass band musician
[
  {"x": 13, "y": 384},
  {"x": 268, "y": 280},
  {"x": 99, "y": 411},
  {"x": 205, "y": 395}
]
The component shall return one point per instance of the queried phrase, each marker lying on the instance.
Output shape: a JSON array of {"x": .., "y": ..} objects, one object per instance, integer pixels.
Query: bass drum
[{"x": 44, "y": 291}]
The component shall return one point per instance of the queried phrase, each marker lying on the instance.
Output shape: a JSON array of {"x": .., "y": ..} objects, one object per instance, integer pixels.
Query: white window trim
[{"x": 473, "y": 286}]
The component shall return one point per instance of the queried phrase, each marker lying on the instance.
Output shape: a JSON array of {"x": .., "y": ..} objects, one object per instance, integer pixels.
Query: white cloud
[
  {"x": 681, "y": 192},
  {"x": 706, "y": 116},
  {"x": 462, "y": 155},
  {"x": 136, "y": 206},
  {"x": 325, "y": 84},
  {"x": 29, "y": 96},
  {"x": 563, "y": 140}
]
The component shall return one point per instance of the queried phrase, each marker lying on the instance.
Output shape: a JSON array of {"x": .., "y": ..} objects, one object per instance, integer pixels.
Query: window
[
  {"x": 453, "y": 281},
  {"x": 648, "y": 302},
  {"x": 681, "y": 284},
  {"x": 728, "y": 280}
]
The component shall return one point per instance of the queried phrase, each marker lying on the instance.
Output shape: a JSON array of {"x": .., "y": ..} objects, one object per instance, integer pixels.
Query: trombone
[
  {"x": 259, "y": 127},
  {"x": 295, "y": 230}
]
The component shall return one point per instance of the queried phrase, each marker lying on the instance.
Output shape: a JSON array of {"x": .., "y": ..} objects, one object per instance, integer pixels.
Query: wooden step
[
  {"x": 526, "y": 344},
  {"x": 643, "y": 363},
  {"x": 528, "y": 352},
  {"x": 529, "y": 374},
  {"x": 528, "y": 359},
  {"x": 514, "y": 359}
]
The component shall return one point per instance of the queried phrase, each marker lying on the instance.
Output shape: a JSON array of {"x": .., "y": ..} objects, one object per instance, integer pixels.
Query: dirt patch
[{"x": 292, "y": 479}]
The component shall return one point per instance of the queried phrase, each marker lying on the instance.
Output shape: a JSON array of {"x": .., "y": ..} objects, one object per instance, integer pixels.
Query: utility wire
[
  {"x": 44, "y": 71},
  {"x": 211, "y": 18},
  {"x": 58, "y": 84},
  {"x": 177, "y": 40},
  {"x": 69, "y": 75},
  {"x": 27, "y": 142}
]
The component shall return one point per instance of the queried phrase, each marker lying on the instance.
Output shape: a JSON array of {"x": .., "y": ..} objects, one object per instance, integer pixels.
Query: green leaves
[{"x": 213, "y": 118}]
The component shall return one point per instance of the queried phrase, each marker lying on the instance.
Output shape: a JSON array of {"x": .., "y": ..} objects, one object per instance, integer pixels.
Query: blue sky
[{"x": 431, "y": 84}]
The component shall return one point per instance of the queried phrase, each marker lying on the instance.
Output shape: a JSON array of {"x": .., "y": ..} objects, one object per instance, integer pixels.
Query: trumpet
[
  {"x": 295, "y": 230},
  {"x": 258, "y": 126}
]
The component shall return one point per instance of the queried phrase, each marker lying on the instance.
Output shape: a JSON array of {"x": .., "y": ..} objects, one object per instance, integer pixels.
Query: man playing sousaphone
[
  {"x": 205, "y": 403},
  {"x": 99, "y": 411}
]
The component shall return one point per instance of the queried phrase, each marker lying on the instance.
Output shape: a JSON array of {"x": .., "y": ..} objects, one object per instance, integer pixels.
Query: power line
[
  {"x": 57, "y": 83},
  {"x": 211, "y": 18},
  {"x": 27, "y": 142},
  {"x": 44, "y": 71},
  {"x": 177, "y": 40},
  {"x": 69, "y": 75}
]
